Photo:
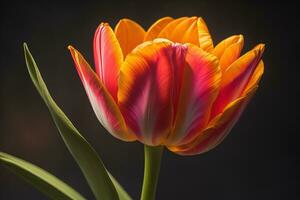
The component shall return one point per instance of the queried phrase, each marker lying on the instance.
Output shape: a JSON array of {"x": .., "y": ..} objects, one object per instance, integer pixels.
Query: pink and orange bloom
[{"x": 169, "y": 85}]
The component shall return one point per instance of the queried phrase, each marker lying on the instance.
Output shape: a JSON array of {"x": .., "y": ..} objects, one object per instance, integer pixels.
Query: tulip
[{"x": 168, "y": 86}]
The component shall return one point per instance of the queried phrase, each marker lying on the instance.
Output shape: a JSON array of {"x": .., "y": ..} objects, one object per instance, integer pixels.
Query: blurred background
[{"x": 258, "y": 160}]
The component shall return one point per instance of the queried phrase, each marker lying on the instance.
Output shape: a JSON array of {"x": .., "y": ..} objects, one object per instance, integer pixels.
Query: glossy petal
[
  {"x": 217, "y": 130},
  {"x": 236, "y": 77},
  {"x": 254, "y": 80},
  {"x": 231, "y": 54},
  {"x": 156, "y": 28},
  {"x": 224, "y": 44},
  {"x": 108, "y": 58},
  {"x": 181, "y": 30},
  {"x": 145, "y": 90},
  {"x": 205, "y": 40},
  {"x": 102, "y": 102},
  {"x": 129, "y": 34},
  {"x": 200, "y": 83}
]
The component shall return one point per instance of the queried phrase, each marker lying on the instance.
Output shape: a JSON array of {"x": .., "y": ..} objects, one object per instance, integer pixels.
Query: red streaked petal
[
  {"x": 254, "y": 80},
  {"x": 129, "y": 34},
  {"x": 236, "y": 77},
  {"x": 217, "y": 130},
  {"x": 108, "y": 58},
  {"x": 205, "y": 40},
  {"x": 156, "y": 28},
  {"x": 102, "y": 102},
  {"x": 146, "y": 89},
  {"x": 200, "y": 83}
]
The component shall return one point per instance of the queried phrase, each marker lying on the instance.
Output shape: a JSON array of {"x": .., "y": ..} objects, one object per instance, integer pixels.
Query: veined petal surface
[{"x": 205, "y": 40}]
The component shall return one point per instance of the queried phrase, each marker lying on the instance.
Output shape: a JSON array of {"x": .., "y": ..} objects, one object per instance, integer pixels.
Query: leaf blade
[
  {"x": 45, "y": 182},
  {"x": 86, "y": 157}
]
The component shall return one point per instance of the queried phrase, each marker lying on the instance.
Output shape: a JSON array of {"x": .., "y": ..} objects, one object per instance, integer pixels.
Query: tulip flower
[{"x": 169, "y": 86}]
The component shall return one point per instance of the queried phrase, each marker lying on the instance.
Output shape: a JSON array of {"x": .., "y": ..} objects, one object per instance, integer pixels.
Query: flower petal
[
  {"x": 102, "y": 102},
  {"x": 205, "y": 40},
  {"x": 217, "y": 130},
  {"x": 231, "y": 54},
  {"x": 146, "y": 89},
  {"x": 236, "y": 77},
  {"x": 156, "y": 28},
  {"x": 108, "y": 58},
  {"x": 224, "y": 44},
  {"x": 255, "y": 77},
  {"x": 200, "y": 83},
  {"x": 181, "y": 30},
  {"x": 129, "y": 34}
]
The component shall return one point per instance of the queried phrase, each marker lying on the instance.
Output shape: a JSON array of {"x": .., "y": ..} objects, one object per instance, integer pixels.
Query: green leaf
[
  {"x": 102, "y": 186},
  {"x": 39, "y": 178},
  {"x": 123, "y": 195}
]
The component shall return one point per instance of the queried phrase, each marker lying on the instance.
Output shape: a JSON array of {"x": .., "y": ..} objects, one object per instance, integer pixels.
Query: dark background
[{"x": 257, "y": 161}]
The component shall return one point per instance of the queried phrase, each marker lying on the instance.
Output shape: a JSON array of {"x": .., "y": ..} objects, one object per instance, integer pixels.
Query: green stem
[{"x": 153, "y": 157}]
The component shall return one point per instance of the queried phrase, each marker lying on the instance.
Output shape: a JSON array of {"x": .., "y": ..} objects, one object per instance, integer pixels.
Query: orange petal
[
  {"x": 217, "y": 130},
  {"x": 156, "y": 28},
  {"x": 255, "y": 77},
  {"x": 200, "y": 84},
  {"x": 108, "y": 58},
  {"x": 205, "y": 39},
  {"x": 129, "y": 34},
  {"x": 223, "y": 45},
  {"x": 102, "y": 102},
  {"x": 236, "y": 77},
  {"x": 181, "y": 30},
  {"x": 145, "y": 90},
  {"x": 231, "y": 53}
]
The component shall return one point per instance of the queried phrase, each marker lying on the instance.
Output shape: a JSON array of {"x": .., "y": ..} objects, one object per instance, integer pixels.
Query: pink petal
[
  {"x": 108, "y": 58},
  {"x": 102, "y": 102}
]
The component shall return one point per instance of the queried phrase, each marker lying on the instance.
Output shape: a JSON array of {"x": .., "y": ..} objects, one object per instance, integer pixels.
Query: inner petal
[{"x": 129, "y": 34}]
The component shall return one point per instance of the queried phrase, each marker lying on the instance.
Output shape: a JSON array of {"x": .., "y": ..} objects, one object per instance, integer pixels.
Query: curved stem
[{"x": 153, "y": 157}]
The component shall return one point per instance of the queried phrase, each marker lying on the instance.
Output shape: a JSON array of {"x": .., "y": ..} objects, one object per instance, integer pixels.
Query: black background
[{"x": 257, "y": 161}]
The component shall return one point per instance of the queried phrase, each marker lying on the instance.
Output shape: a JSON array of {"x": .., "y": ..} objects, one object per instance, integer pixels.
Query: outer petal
[
  {"x": 200, "y": 84},
  {"x": 217, "y": 130},
  {"x": 146, "y": 89},
  {"x": 102, "y": 102},
  {"x": 181, "y": 30},
  {"x": 129, "y": 34},
  {"x": 254, "y": 80},
  {"x": 108, "y": 58},
  {"x": 236, "y": 78},
  {"x": 205, "y": 39},
  {"x": 156, "y": 28}
]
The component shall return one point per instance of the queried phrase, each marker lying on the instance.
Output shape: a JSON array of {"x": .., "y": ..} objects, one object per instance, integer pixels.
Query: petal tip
[
  {"x": 71, "y": 48},
  {"x": 260, "y": 47}
]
